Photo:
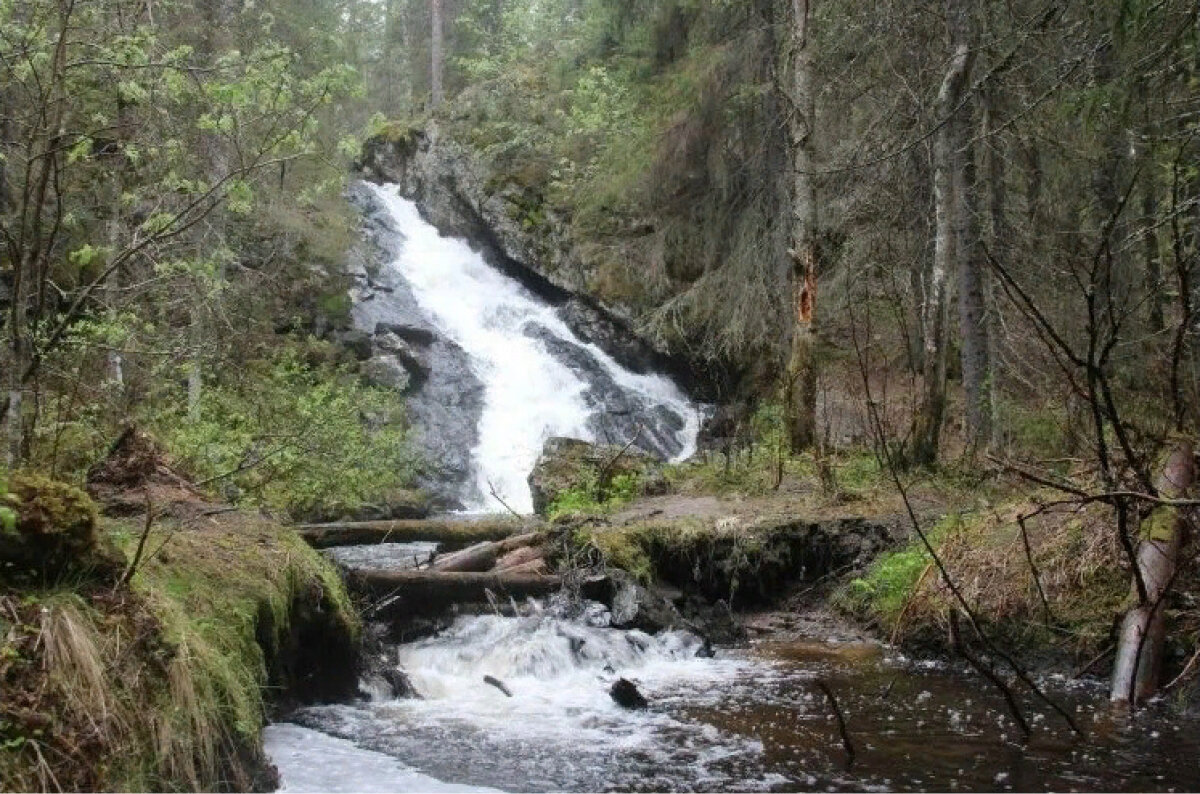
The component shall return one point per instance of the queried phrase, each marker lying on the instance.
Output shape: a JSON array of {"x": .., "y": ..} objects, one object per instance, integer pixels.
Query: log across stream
[{"x": 751, "y": 718}]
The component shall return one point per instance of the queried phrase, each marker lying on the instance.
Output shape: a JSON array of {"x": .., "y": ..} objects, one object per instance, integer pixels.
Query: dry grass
[
  {"x": 159, "y": 687},
  {"x": 1076, "y": 559}
]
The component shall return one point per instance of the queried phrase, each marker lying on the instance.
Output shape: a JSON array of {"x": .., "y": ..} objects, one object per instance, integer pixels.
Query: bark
[
  {"x": 949, "y": 210},
  {"x": 975, "y": 353},
  {"x": 1143, "y": 631},
  {"x": 998, "y": 234},
  {"x": 480, "y": 557},
  {"x": 427, "y": 592},
  {"x": 453, "y": 533},
  {"x": 802, "y": 362},
  {"x": 437, "y": 57}
]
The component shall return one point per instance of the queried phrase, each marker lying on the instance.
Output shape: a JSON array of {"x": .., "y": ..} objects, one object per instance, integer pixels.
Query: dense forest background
[
  {"x": 928, "y": 259},
  {"x": 173, "y": 173}
]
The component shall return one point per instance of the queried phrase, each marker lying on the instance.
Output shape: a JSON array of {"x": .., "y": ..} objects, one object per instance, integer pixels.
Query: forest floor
[{"x": 164, "y": 682}]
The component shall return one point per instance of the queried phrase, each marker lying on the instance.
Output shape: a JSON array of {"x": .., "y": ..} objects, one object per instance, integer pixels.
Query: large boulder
[{"x": 569, "y": 463}]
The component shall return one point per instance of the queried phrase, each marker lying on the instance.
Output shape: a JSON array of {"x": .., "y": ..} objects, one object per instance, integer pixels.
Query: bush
[{"x": 295, "y": 439}]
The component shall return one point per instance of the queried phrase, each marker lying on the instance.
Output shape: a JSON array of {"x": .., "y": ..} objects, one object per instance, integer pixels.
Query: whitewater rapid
[{"x": 529, "y": 394}]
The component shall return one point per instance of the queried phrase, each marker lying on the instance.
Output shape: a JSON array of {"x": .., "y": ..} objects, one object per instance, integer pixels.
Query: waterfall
[{"x": 539, "y": 379}]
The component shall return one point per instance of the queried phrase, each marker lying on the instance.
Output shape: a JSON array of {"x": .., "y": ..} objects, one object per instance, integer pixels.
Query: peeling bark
[{"x": 1143, "y": 632}]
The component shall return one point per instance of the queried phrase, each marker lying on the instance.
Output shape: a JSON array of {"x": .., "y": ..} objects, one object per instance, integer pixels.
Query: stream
[{"x": 744, "y": 719}]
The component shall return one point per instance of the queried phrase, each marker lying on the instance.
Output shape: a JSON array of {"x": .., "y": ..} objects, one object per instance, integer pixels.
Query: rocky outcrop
[
  {"x": 569, "y": 463},
  {"x": 459, "y": 193},
  {"x": 443, "y": 397}
]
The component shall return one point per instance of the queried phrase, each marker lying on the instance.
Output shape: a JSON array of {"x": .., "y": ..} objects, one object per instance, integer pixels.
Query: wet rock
[
  {"x": 421, "y": 337},
  {"x": 592, "y": 325},
  {"x": 569, "y": 463},
  {"x": 406, "y": 354},
  {"x": 445, "y": 409},
  {"x": 399, "y": 682},
  {"x": 356, "y": 341},
  {"x": 387, "y": 372},
  {"x": 636, "y": 607},
  {"x": 621, "y": 416},
  {"x": 626, "y": 695}
]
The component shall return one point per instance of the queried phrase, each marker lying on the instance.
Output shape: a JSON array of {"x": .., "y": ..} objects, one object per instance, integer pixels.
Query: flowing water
[
  {"x": 750, "y": 719},
  {"x": 747, "y": 720},
  {"x": 539, "y": 379}
]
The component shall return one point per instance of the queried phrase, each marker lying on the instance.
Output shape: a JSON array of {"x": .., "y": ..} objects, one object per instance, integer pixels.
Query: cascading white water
[
  {"x": 530, "y": 395},
  {"x": 558, "y": 729}
]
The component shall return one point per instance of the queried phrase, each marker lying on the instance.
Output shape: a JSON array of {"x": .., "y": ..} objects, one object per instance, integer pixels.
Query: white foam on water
[
  {"x": 560, "y": 728},
  {"x": 310, "y": 761},
  {"x": 529, "y": 396}
]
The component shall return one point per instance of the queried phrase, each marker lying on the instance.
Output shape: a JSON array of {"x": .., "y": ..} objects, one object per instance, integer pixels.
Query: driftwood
[
  {"x": 477, "y": 558},
  {"x": 496, "y": 682},
  {"x": 454, "y": 533},
  {"x": 521, "y": 557},
  {"x": 430, "y": 592}
]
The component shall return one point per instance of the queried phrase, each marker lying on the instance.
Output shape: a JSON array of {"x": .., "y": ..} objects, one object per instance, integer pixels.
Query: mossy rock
[
  {"x": 572, "y": 465},
  {"x": 55, "y": 532}
]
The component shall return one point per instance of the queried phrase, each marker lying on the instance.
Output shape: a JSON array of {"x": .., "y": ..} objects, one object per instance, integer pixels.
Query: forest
[{"x": 881, "y": 318}]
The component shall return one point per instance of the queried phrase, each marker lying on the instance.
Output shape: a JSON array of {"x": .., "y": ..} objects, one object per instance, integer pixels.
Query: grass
[
  {"x": 163, "y": 687},
  {"x": 1079, "y": 566}
]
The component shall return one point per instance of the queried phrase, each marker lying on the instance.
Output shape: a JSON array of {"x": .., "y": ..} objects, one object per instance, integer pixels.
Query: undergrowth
[{"x": 161, "y": 686}]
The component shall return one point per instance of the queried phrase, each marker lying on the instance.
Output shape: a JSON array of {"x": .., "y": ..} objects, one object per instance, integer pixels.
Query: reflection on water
[{"x": 750, "y": 719}]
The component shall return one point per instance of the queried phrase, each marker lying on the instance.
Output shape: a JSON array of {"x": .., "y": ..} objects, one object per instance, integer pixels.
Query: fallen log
[
  {"x": 519, "y": 557},
  {"x": 519, "y": 541},
  {"x": 478, "y": 558},
  {"x": 533, "y": 566},
  {"x": 1139, "y": 659},
  {"x": 450, "y": 532},
  {"x": 431, "y": 592}
]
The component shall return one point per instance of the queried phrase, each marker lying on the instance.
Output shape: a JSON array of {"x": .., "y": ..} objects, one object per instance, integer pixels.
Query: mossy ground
[{"x": 161, "y": 685}]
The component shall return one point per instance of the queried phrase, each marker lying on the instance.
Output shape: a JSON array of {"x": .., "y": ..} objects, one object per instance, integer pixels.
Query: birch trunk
[
  {"x": 949, "y": 188},
  {"x": 1143, "y": 632}
]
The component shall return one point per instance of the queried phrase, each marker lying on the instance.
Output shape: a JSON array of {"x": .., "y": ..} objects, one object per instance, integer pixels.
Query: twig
[
  {"x": 141, "y": 546},
  {"x": 841, "y": 720},
  {"x": 987, "y": 672},
  {"x": 1037, "y": 576},
  {"x": 607, "y": 467},
  {"x": 498, "y": 498},
  {"x": 1187, "y": 669}
]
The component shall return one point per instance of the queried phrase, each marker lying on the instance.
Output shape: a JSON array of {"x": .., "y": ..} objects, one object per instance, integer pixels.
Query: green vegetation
[
  {"x": 164, "y": 686},
  {"x": 298, "y": 440},
  {"x": 591, "y": 497}
]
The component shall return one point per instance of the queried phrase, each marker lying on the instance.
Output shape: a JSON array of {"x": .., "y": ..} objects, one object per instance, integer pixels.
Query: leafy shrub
[{"x": 295, "y": 439}]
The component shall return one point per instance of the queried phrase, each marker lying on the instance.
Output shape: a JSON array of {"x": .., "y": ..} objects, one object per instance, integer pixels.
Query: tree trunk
[
  {"x": 949, "y": 188},
  {"x": 455, "y": 533},
  {"x": 478, "y": 558},
  {"x": 1140, "y": 647},
  {"x": 802, "y": 363},
  {"x": 437, "y": 57},
  {"x": 975, "y": 353}
]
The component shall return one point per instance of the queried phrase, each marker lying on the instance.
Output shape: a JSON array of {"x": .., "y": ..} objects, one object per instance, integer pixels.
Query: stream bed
[{"x": 748, "y": 719}]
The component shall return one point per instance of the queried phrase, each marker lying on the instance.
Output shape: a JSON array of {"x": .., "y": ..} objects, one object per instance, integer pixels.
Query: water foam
[{"x": 530, "y": 395}]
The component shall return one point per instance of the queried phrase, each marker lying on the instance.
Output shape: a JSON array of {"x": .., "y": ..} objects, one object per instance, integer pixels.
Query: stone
[
  {"x": 569, "y": 463},
  {"x": 636, "y": 607},
  {"x": 386, "y": 372},
  {"x": 409, "y": 333},
  {"x": 357, "y": 342},
  {"x": 626, "y": 695}
]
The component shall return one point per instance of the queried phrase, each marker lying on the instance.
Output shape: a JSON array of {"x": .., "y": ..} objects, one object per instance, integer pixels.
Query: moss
[
  {"x": 165, "y": 686},
  {"x": 54, "y": 532}
]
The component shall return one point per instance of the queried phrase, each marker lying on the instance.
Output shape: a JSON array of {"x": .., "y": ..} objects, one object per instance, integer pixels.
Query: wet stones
[
  {"x": 626, "y": 695},
  {"x": 569, "y": 463}
]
